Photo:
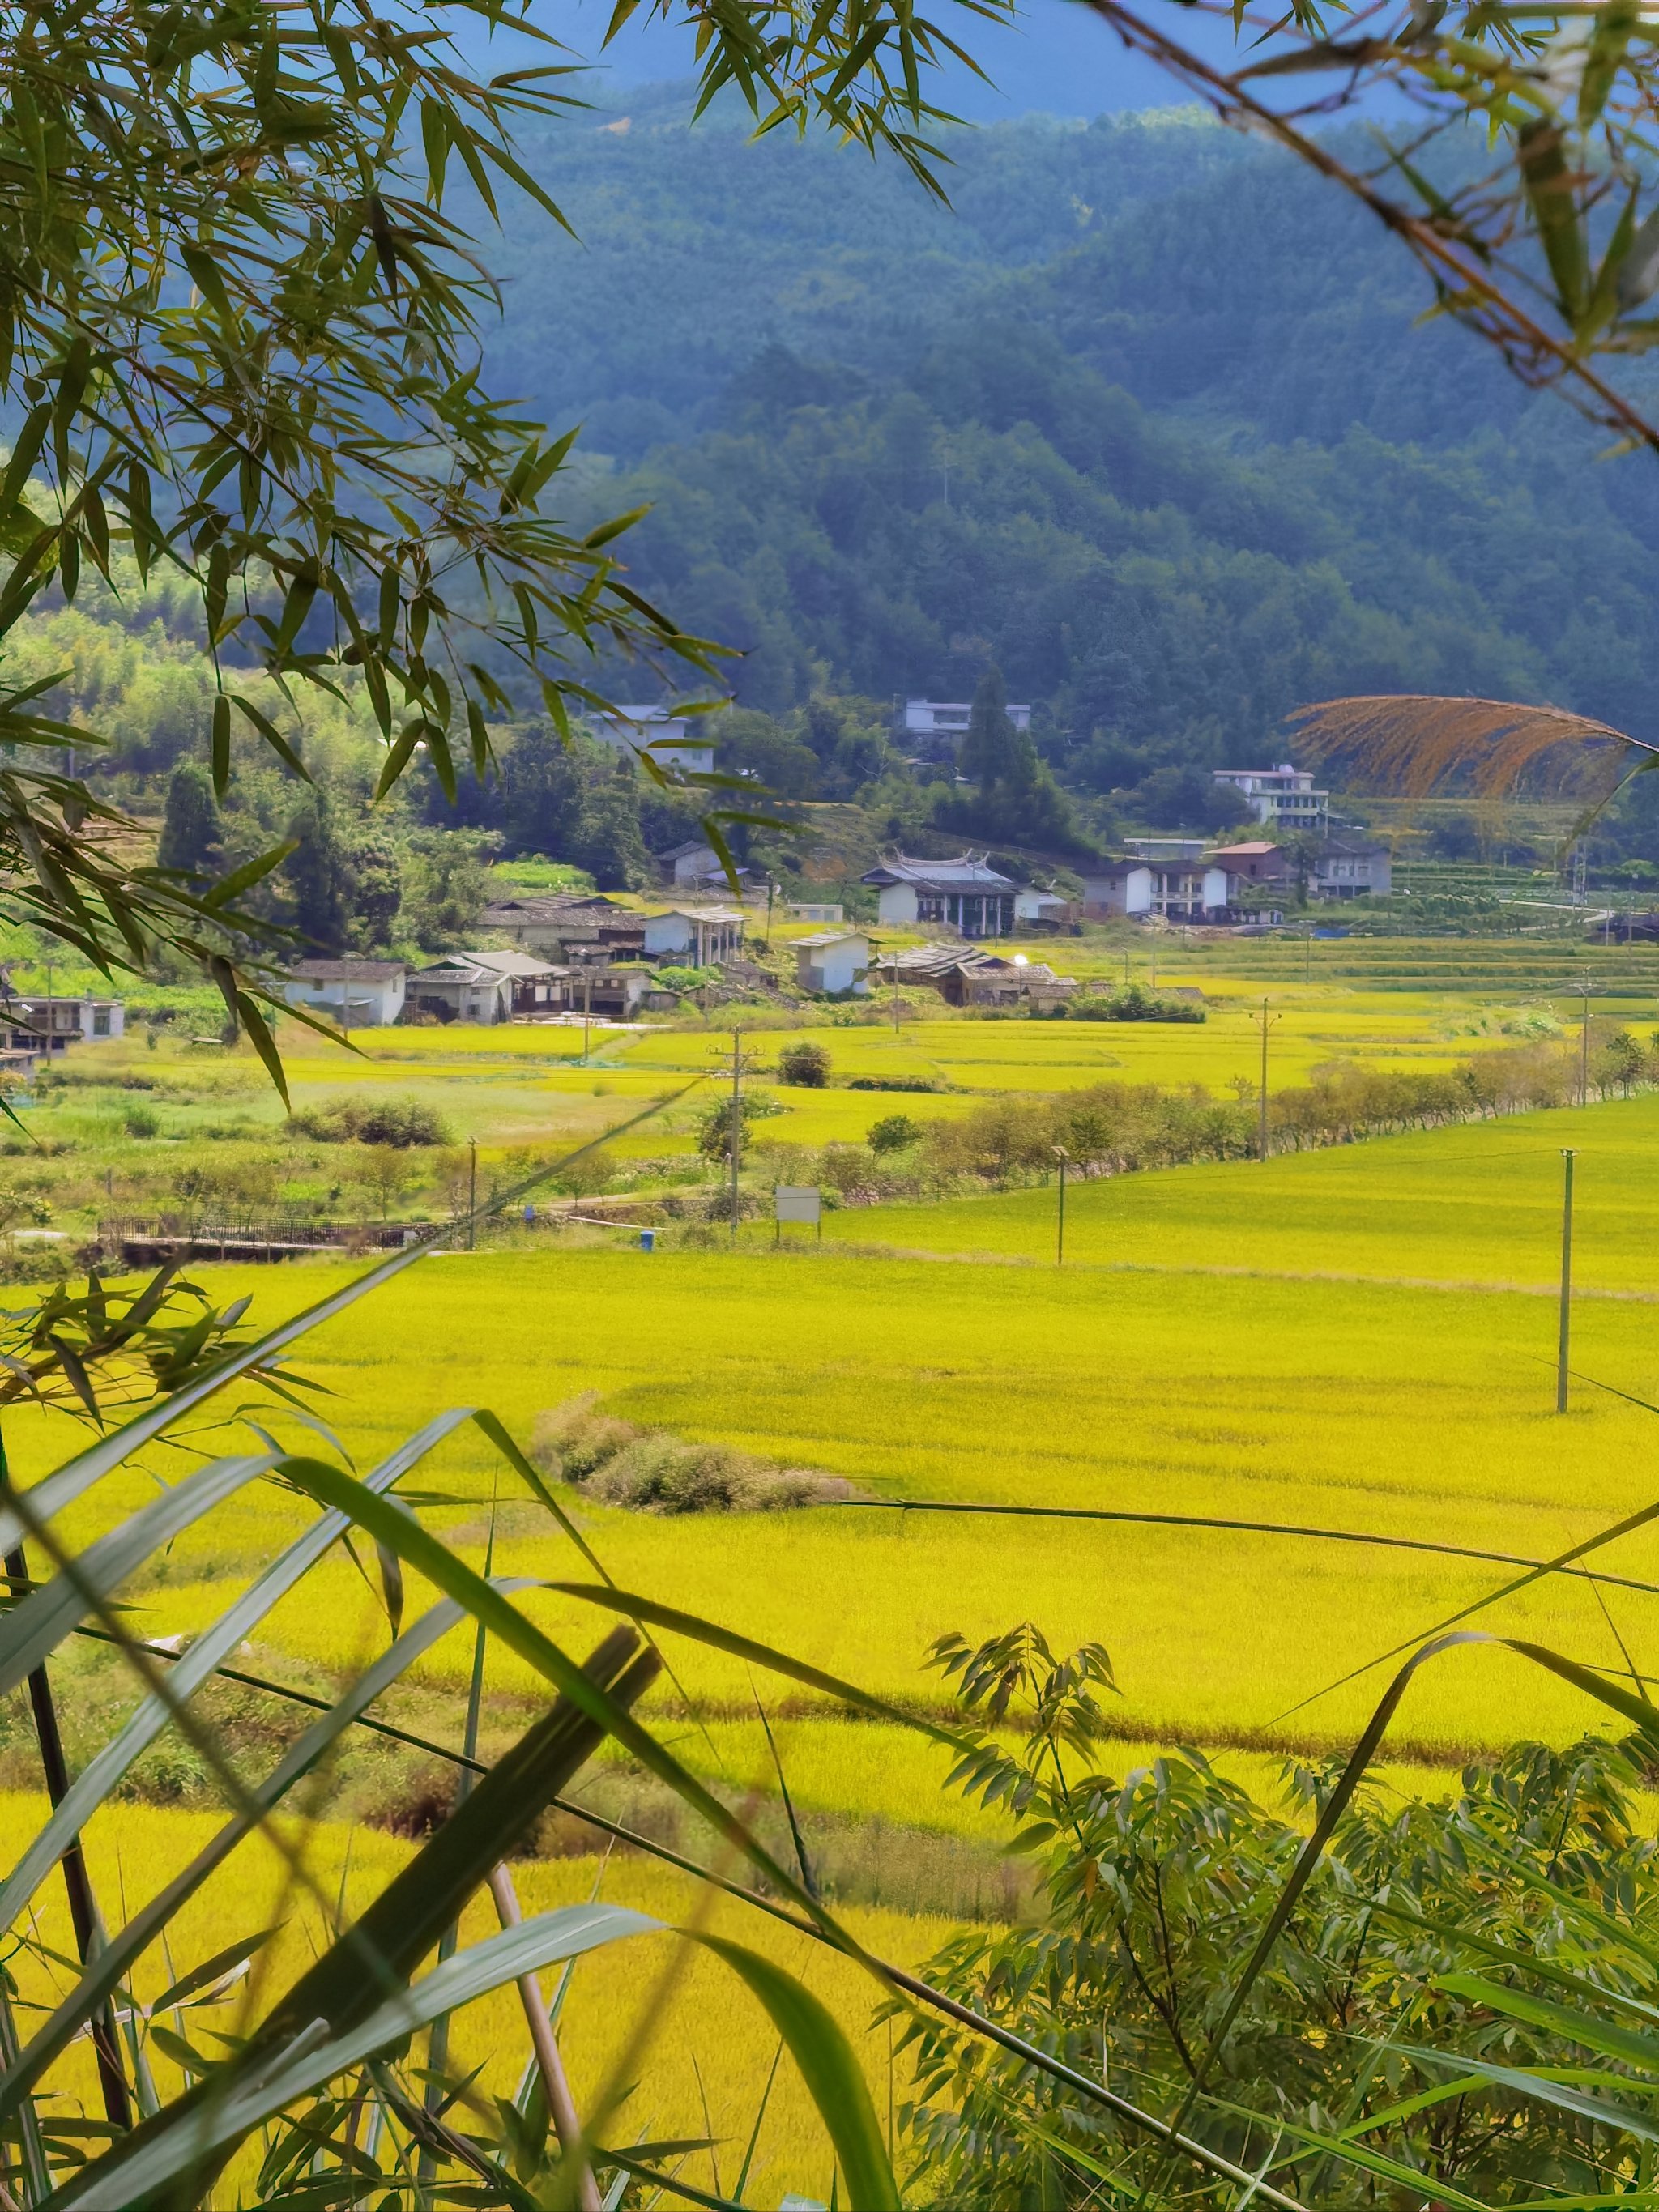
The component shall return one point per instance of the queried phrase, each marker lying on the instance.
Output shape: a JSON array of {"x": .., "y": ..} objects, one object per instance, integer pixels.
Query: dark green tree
[
  {"x": 318, "y": 874},
  {"x": 191, "y": 830}
]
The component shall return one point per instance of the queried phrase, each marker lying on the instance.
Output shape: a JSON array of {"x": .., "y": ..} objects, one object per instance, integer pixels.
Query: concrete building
[
  {"x": 939, "y": 726},
  {"x": 358, "y": 994},
  {"x": 693, "y": 862},
  {"x": 1351, "y": 868},
  {"x": 1177, "y": 890},
  {"x": 1282, "y": 797},
  {"x": 835, "y": 961},
  {"x": 34, "y": 1027},
  {"x": 669, "y": 738},
  {"x": 963, "y": 894},
  {"x": 967, "y": 976},
  {"x": 825, "y": 910},
  {"x": 1043, "y": 909},
  {"x": 693, "y": 936}
]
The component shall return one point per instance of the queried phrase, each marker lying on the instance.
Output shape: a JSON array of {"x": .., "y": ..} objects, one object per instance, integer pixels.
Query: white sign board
[{"x": 796, "y": 1201}]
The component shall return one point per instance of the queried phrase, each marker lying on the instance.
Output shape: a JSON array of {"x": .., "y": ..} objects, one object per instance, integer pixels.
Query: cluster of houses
[{"x": 570, "y": 954}]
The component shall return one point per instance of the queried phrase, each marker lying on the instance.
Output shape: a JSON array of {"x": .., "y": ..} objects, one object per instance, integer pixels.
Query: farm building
[
  {"x": 964, "y": 895},
  {"x": 1178, "y": 890},
  {"x": 1043, "y": 909},
  {"x": 835, "y": 961},
  {"x": 553, "y": 924},
  {"x": 968, "y": 977},
  {"x": 693, "y": 862},
  {"x": 486, "y": 986},
  {"x": 35, "y": 1026},
  {"x": 694, "y": 936},
  {"x": 358, "y": 994}
]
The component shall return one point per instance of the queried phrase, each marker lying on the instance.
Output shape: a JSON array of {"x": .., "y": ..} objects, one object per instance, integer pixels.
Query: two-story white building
[
  {"x": 1283, "y": 797},
  {"x": 936, "y": 726},
  {"x": 1178, "y": 890},
  {"x": 673, "y": 740},
  {"x": 1349, "y": 867}
]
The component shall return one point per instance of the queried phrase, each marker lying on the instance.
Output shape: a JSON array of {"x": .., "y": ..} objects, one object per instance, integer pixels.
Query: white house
[
  {"x": 835, "y": 961},
  {"x": 963, "y": 894},
  {"x": 1047, "y": 909},
  {"x": 358, "y": 994},
  {"x": 816, "y": 910},
  {"x": 667, "y": 737},
  {"x": 33, "y": 1026},
  {"x": 1178, "y": 890},
  {"x": 694, "y": 936},
  {"x": 939, "y": 722},
  {"x": 693, "y": 862},
  {"x": 1283, "y": 797}
]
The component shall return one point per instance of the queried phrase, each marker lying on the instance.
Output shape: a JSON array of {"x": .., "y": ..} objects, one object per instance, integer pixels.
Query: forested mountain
[{"x": 1144, "y": 419}]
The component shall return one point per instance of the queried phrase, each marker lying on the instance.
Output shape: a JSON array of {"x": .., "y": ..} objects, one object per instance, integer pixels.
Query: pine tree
[
  {"x": 190, "y": 829},
  {"x": 988, "y": 750}
]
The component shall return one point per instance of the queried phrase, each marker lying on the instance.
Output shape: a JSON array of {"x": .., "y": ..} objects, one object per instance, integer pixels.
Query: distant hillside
[{"x": 1145, "y": 418}]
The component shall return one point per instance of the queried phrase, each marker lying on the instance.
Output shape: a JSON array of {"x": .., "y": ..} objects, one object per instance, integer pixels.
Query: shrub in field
[
  {"x": 1133, "y": 1003},
  {"x": 804, "y": 1065},
  {"x": 655, "y": 1473},
  {"x": 894, "y": 1132},
  {"x": 399, "y": 1122},
  {"x": 714, "y": 1127},
  {"x": 895, "y": 1082}
]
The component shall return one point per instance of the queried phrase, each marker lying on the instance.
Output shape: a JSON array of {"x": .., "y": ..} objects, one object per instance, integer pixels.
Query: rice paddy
[{"x": 1357, "y": 1342}]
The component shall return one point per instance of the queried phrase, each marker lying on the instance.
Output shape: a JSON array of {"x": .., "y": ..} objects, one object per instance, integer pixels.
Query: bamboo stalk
[{"x": 555, "y": 2082}]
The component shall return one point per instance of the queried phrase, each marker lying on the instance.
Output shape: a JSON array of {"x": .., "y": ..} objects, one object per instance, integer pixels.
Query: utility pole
[
  {"x": 741, "y": 1064},
  {"x": 1583, "y": 1047},
  {"x": 1307, "y": 955},
  {"x": 471, "y": 1194},
  {"x": 587, "y": 1012},
  {"x": 770, "y": 888},
  {"x": 1567, "y": 1158},
  {"x": 1261, "y": 1132},
  {"x": 1062, "y": 1155}
]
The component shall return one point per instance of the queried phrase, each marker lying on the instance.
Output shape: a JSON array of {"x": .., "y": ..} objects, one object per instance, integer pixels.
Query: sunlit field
[
  {"x": 697, "y": 2016},
  {"x": 1370, "y": 1408}
]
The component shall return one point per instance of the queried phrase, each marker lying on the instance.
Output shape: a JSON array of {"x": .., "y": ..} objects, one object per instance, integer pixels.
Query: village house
[
  {"x": 693, "y": 862},
  {"x": 34, "y": 1027},
  {"x": 486, "y": 987},
  {"x": 967, "y": 976},
  {"x": 935, "y": 727},
  {"x": 659, "y": 730},
  {"x": 1177, "y": 890},
  {"x": 358, "y": 994},
  {"x": 693, "y": 936},
  {"x": 835, "y": 962},
  {"x": 1347, "y": 867},
  {"x": 1281, "y": 798},
  {"x": 554, "y": 923},
  {"x": 1043, "y": 909},
  {"x": 964, "y": 895}
]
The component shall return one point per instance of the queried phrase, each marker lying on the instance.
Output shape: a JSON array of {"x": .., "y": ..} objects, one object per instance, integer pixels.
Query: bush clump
[
  {"x": 894, "y": 1083},
  {"x": 804, "y": 1065},
  {"x": 895, "y": 1133},
  {"x": 623, "y": 1464},
  {"x": 1133, "y": 1003},
  {"x": 398, "y": 1122}
]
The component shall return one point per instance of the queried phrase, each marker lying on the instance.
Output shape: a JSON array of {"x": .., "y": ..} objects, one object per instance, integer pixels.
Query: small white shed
[{"x": 835, "y": 961}]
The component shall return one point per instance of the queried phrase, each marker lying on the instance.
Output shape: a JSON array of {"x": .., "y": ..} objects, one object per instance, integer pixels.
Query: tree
[
  {"x": 190, "y": 829},
  {"x": 803, "y": 1064},
  {"x": 385, "y": 1173},
  {"x": 318, "y": 874},
  {"x": 1018, "y": 798}
]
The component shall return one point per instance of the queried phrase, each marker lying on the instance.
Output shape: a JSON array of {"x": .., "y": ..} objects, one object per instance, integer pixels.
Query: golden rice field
[
  {"x": 1374, "y": 1408},
  {"x": 701, "y": 2020}
]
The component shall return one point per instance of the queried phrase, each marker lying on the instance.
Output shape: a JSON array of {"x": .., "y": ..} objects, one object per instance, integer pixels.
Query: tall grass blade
[{"x": 829, "y": 2069}]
